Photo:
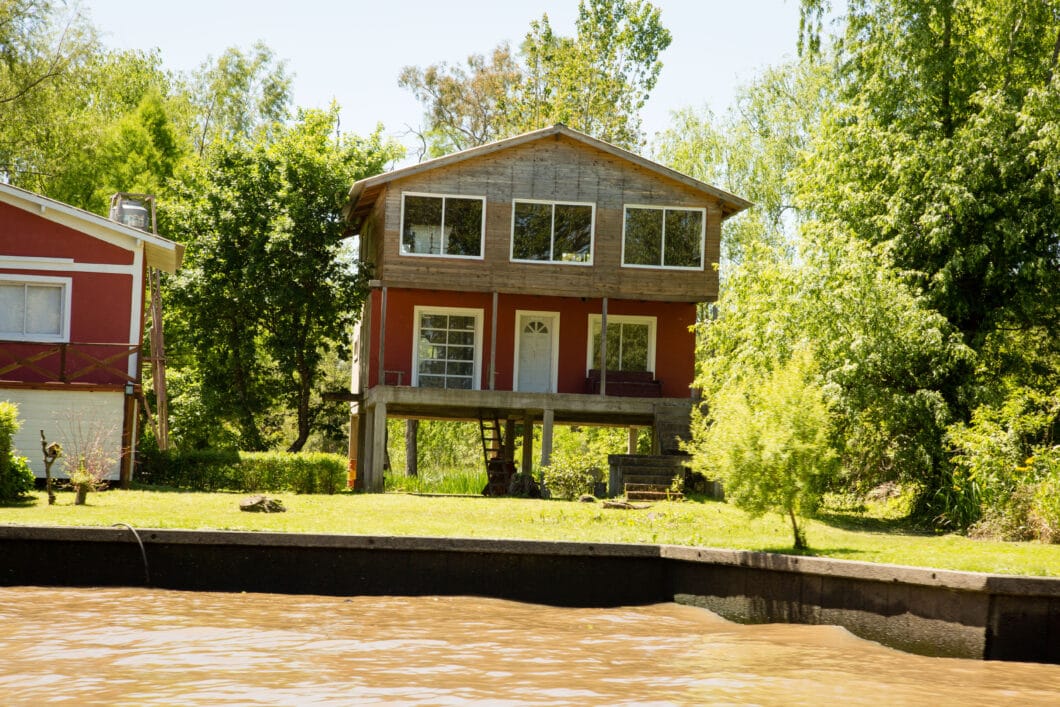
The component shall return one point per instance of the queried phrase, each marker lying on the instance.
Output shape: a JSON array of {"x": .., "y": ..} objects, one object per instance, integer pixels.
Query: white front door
[{"x": 536, "y": 349}]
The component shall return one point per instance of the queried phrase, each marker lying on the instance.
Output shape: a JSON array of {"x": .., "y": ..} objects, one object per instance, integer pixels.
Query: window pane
[
  {"x": 432, "y": 381},
  {"x": 462, "y": 322},
  {"x": 12, "y": 309},
  {"x": 434, "y": 321},
  {"x": 614, "y": 346},
  {"x": 643, "y": 244},
  {"x": 684, "y": 238},
  {"x": 461, "y": 353},
  {"x": 573, "y": 228},
  {"x": 463, "y": 226},
  {"x": 423, "y": 225},
  {"x": 531, "y": 237},
  {"x": 44, "y": 310},
  {"x": 462, "y": 338},
  {"x": 432, "y": 367},
  {"x": 634, "y": 347},
  {"x": 460, "y": 368}
]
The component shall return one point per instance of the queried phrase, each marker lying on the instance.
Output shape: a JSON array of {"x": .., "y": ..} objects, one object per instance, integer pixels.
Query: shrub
[
  {"x": 214, "y": 470},
  {"x": 16, "y": 478},
  {"x": 767, "y": 441},
  {"x": 569, "y": 476}
]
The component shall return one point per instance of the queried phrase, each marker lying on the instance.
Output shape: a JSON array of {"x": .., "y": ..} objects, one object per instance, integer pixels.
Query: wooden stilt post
[{"x": 412, "y": 427}]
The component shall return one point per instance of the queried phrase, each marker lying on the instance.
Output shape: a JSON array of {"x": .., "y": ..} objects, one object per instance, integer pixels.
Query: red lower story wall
[{"x": 674, "y": 345}]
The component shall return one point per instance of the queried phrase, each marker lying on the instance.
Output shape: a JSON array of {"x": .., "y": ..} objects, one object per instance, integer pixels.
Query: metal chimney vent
[{"x": 133, "y": 212}]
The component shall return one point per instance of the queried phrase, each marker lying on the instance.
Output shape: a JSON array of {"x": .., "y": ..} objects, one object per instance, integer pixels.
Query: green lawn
[{"x": 707, "y": 523}]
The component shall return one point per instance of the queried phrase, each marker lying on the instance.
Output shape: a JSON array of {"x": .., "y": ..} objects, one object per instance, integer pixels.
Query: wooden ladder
[
  {"x": 492, "y": 437},
  {"x": 499, "y": 470}
]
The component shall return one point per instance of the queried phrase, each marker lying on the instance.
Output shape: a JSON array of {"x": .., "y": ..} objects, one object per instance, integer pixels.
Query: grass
[{"x": 703, "y": 523}]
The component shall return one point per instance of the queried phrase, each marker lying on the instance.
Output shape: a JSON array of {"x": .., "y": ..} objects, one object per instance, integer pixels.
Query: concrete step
[{"x": 653, "y": 479}]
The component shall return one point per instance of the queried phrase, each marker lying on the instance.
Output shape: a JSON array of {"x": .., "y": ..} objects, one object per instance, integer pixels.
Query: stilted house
[
  {"x": 72, "y": 288},
  {"x": 543, "y": 279}
]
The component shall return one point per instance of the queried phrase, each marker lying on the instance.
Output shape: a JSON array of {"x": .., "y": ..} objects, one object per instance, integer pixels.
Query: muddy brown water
[{"x": 155, "y": 647}]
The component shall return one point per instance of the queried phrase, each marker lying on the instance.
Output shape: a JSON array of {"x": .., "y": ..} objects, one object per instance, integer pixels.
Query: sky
[{"x": 352, "y": 51}]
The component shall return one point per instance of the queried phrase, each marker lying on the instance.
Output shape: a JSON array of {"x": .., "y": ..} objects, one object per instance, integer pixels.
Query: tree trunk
[
  {"x": 412, "y": 427},
  {"x": 304, "y": 383}
]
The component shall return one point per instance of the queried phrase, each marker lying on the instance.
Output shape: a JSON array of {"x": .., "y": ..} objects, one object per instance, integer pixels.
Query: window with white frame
[
  {"x": 630, "y": 342},
  {"x": 446, "y": 348},
  {"x": 35, "y": 309},
  {"x": 663, "y": 237},
  {"x": 442, "y": 225},
  {"x": 552, "y": 232}
]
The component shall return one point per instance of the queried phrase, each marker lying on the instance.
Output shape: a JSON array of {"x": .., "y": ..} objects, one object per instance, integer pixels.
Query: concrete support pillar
[
  {"x": 546, "y": 438},
  {"x": 631, "y": 443},
  {"x": 374, "y": 482},
  {"x": 528, "y": 444}
]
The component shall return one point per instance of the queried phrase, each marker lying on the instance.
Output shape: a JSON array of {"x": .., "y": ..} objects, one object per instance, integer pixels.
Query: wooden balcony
[{"x": 24, "y": 363}]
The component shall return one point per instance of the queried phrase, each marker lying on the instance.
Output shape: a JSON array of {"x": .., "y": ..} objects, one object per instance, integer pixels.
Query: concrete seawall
[{"x": 933, "y": 612}]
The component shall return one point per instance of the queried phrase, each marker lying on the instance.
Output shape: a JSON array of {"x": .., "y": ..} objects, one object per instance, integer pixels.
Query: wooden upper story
[{"x": 553, "y": 212}]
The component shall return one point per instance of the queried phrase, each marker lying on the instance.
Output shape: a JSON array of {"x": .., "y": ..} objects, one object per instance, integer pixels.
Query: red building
[
  {"x": 71, "y": 320},
  {"x": 546, "y": 278}
]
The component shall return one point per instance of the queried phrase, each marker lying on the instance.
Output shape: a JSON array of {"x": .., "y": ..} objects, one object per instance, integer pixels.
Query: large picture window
[
  {"x": 630, "y": 343},
  {"x": 552, "y": 232},
  {"x": 447, "y": 345},
  {"x": 447, "y": 226},
  {"x": 35, "y": 309},
  {"x": 667, "y": 237}
]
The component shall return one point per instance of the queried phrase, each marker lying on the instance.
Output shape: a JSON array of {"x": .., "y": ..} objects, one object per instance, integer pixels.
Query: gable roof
[
  {"x": 365, "y": 191},
  {"x": 159, "y": 252}
]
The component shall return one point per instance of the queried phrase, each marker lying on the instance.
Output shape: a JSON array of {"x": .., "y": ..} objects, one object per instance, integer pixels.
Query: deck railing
[{"x": 66, "y": 363}]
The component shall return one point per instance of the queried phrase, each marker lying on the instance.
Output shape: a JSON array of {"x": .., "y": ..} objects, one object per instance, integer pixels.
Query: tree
[
  {"x": 596, "y": 81},
  {"x": 239, "y": 94},
  {"x": 769, "y": 443},
  {"x": 754, "y": 150},
  {"x": 469, "y": 104},
  {"x": 943, "y": 147},
  {"x": 265, "y": 293}
]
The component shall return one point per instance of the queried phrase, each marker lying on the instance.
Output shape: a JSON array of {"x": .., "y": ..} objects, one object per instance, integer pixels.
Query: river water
[{"x": 155, "y": 647}]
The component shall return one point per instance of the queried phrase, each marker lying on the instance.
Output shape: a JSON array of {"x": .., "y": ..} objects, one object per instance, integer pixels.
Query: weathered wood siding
[{"x": 555, "y": 169}]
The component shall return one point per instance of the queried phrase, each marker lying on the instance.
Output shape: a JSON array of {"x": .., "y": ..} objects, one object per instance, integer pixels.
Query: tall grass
[{"x": 462, "y": 481}]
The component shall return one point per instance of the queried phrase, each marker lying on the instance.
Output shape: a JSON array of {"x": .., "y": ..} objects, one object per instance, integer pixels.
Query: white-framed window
[
  {"x": 663, "y": 237},
  {"x": 442, "y": 225},
  {"x": 446, "y": 348},
  {"x": 34, "y": 308},
  {"x": 552, "y": 232},
  {"x": 630, "y": 342}
]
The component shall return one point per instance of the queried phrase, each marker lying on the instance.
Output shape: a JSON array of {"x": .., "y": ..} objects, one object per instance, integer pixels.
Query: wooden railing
[{"x": 66, "y": 363}]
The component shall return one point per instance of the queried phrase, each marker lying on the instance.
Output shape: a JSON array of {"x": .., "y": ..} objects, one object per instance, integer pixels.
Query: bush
[
  {"x": 16, "y": 478},
  {"x": 215, "y": 470},
  {"x": 767, "y": 441},
  {"x": 571, "y": 476}
]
